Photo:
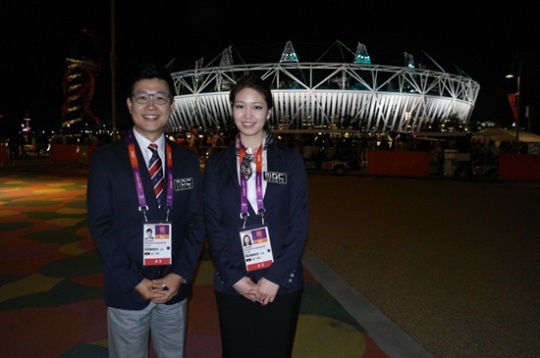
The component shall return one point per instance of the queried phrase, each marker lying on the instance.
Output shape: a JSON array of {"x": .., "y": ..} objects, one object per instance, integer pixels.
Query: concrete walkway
[
  {"x": 388, "y": 335},
  {"x": 455, "y": 265}
]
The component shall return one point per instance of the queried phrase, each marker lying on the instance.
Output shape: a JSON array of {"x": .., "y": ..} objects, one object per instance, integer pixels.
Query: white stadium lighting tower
[{"x": 361, "y": 55}]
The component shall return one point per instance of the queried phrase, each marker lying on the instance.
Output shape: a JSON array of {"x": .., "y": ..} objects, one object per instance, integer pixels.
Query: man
[{"x": 146, "y": 284}]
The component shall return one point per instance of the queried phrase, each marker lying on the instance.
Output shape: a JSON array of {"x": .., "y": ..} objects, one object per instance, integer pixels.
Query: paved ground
[
  {"x": 455, "y": 264},
  {"x": 51, "y": 276}
]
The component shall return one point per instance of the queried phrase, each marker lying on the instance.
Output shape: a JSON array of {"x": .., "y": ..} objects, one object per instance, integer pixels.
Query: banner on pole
[{"x": 512, "y": 98}]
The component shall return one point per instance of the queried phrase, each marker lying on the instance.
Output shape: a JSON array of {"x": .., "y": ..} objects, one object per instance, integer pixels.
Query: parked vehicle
[
  {"x": 487, "y": 171},
  {"x": 339, "y": 167}
]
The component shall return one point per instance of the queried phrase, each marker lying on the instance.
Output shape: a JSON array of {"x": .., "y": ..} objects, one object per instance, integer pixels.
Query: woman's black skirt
[{"x": 249, "y": 329}]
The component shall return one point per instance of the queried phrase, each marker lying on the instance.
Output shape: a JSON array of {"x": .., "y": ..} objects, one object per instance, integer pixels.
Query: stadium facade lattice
[{"x": 359, "y": 95}]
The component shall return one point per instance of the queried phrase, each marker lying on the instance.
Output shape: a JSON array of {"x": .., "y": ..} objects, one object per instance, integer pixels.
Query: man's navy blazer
[
  {"x": 116, "y": 223},
  {"x": 286, "y": 205}
]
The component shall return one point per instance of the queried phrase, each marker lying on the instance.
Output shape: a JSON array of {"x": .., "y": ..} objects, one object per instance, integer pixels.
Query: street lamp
[
  {"x": 518, "y": 102},
  {"x": 113, "y": 66}
]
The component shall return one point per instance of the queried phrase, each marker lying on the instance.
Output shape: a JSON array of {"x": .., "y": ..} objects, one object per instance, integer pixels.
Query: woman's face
[{"x": 250, "y": 112}]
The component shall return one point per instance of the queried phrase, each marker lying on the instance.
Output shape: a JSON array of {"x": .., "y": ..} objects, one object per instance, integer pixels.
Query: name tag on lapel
[
  {"x": 183, "y": 184},
  {"x": 275, "y": 177}
]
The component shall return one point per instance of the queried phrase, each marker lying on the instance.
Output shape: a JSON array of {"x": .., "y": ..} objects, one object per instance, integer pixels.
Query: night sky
[{"x": 36, "y": 36}]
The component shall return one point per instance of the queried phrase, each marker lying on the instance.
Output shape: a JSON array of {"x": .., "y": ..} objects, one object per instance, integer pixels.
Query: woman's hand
[
  {"x": 247, "y": 288},
  {"x": 266, "y": 291}
]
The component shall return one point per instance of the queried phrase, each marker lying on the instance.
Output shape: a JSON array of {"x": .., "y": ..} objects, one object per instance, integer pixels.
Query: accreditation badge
[
  {"x": 157, "y": 242},
  {"x": 256, "y": 248}
]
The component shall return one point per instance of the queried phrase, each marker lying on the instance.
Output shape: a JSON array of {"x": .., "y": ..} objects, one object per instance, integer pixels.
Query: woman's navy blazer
[{"x": 286, "y": 205}]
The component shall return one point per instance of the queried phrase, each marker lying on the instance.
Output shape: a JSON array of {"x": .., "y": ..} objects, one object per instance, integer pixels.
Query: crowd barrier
[
  {"x": 398, "y": 163},
  {"x": 519, "y": 167},
  {"x": 71, "y": 153},
  {"x": 380, "y": 162},
  {"x": 416, "y": 164},
  {"x": 4, "y": 154}
]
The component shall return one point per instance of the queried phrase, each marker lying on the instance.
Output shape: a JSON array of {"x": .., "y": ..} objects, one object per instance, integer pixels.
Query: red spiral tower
[{"x": 79, "y": 85}]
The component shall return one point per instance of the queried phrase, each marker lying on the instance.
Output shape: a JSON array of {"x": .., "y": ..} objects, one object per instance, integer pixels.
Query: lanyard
[
  {"x": 143, "y": 206},
  {"x": 258, "y": 184}
]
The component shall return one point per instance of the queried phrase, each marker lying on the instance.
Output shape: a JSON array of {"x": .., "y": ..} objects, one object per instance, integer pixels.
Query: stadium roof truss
[{"x": 325, "y": 95}]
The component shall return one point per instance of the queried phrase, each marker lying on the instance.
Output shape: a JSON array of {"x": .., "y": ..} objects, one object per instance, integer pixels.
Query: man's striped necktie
[{"x": 155, "y": 168}]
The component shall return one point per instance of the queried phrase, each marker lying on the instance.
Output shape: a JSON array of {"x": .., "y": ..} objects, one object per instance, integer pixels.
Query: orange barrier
[
  {"x": 519, "y": 167},
  {"x": 4, "y": 154},
  {"x": 71, "y": 153},
  {"x": 398, "y": 163},
  {"x": 65, "y": 153}
]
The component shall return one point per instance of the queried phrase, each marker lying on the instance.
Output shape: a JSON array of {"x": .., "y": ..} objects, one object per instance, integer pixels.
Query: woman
[{"x": 258, "y": 188}]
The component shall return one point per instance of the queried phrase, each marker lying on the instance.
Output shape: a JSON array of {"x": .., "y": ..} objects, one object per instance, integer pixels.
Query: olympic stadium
[{"x": 357, "y": 96}]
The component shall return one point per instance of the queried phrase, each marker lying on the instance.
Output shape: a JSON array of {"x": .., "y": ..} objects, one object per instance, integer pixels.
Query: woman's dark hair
[
  {"x": 254, "y": 82},
  {"x": 148, "y": 71}
]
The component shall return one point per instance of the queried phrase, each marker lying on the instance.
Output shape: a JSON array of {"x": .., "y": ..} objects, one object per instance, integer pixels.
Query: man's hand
[
  {"x": 168, "y": 286},
  {"x": 149, "y": 291}
]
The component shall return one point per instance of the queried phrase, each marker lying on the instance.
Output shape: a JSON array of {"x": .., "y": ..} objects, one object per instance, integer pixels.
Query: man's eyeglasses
[{"x": 144, "y": 97}]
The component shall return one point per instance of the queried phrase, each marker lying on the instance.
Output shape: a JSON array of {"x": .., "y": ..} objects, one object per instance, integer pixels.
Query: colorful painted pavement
[{"x": 51, "y": 283}]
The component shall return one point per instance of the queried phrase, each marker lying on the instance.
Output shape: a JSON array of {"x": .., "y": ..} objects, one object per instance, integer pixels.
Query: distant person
[
  {"x": 258, "y": 301},
  {"x": 523, "y": 148},
  {"x": 22, "y": 147},
  {"x": 436, "y": 157},
  {"x": 145, "y": 297},
  {"x": 14, "y": 146},
  {"x": 307, "y": 150},
  {"x": 493, "y": 152}
]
